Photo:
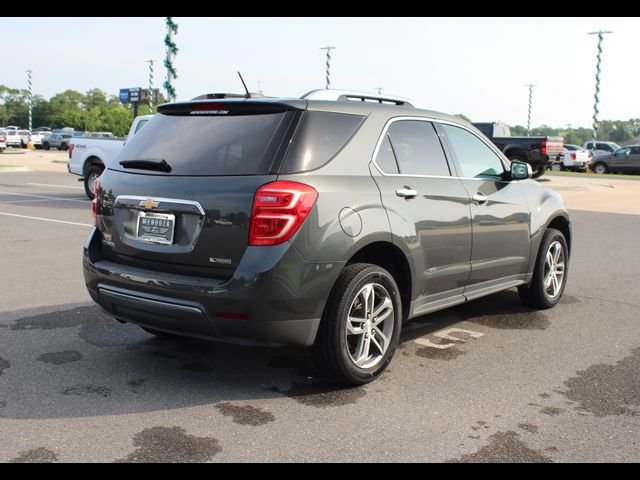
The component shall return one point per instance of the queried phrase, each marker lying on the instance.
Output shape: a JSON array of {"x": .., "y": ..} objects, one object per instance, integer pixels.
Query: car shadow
[{"x": 79, "y": 362}]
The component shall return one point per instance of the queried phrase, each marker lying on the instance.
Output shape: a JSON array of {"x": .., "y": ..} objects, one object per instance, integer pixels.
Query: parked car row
[{"x": 44, "y": 137}]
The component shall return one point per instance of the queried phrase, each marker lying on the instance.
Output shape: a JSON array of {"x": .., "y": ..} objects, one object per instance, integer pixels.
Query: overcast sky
[{"x": 473, "y": 66}]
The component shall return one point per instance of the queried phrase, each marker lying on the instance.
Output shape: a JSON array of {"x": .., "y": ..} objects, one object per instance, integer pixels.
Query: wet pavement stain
[
  {"x": 439, "y": 353},
  {"x": 136, "y": 382},
  {"x": 605, "y": 389},
  {"x": 528, "y": 427},
  {"x": 552, "y": 411},
  {"x": 162, "y": 354},
  {"x": 544, "y": 395},
  {"x": 4, "y": 364},
  {"x": 323, "y": 394},
  {"x": 171, "y": 445},
  {"x": 504, "y": 447},
  {"x": 96, "y": 328},
  {"x": 196, "y": 367},
  {"x": 60, "y": 358},
  {"x": 87, "y": 391},
  {"x": 245, "y": 414},
  {"x": 568, "y": 300},
  {"x": 503, "y": 311},
  {"x": 302, "y": 364},
  {"x": 37, "y": 455}
]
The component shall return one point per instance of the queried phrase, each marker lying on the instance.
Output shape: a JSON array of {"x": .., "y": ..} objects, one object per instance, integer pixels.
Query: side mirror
[{"x": 520, "y": 171}]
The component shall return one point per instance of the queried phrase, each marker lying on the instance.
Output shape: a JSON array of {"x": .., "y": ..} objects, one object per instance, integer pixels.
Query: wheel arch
[
  {"x": 90, "y": 161},
  {"x": 389, "y": 256}
]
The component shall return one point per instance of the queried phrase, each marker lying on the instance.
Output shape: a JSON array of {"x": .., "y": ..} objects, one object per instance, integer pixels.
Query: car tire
[
  {"x": 557, "y": 167},
  {"x": 90, "y": 176},
  {"x": 600, "y": 168},
  {"x": 543, "y": 292},
  {"x": 46, "y": 146},
  {"x": 64, "y": 147},
  {"x": 342, "y": 336}
]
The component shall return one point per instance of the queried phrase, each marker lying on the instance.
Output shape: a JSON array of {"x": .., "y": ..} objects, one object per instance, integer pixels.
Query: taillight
[
  {"x": 545, "y": 149},
  {"x": 70, "y": 150},
  {"x": 279, "y": 208},
  {"x": 573, "y": 156},
  {"x": 94, "y": 202}
]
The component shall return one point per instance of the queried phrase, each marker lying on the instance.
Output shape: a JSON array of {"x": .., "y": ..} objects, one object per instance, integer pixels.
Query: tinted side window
[
  {"x": 635, "y": 150},
  {"x": 475, "y": 157},
  {"x": 385, "y": 159},
  {"x": 418, "y": 148},
  {"x": 319, "y": 137}
]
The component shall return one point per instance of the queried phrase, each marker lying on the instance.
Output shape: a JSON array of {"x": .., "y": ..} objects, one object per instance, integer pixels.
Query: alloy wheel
[
  {"x": 370, "y": 325},
  {"x": 554, "y": 268}
]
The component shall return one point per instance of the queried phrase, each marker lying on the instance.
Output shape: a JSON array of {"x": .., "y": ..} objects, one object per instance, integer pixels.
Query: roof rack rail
[
  {"x": 211, "y": 96},
  {"x": 350, "y": 95}
]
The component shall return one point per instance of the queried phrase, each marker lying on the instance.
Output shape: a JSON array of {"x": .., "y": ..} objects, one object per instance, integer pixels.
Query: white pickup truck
[{"x": 88, "y": 157}]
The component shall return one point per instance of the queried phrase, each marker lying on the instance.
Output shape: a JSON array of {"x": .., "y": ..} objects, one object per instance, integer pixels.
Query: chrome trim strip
[
  {"x": 432, "y": 120},
  {"x": 160, "y": 199}
]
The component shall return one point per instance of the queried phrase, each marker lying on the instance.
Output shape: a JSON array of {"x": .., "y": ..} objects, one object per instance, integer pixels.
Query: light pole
[
  {"x": 530, "y": 85},
  {"x": 379, "y": 90},
  {"x": 150, "y": 62},
  {"x": 328, "y": 63},
  {"x": 172, "y": 50},
  {"x": 30, "y": 100},
  {"x": 600, "y": 34}
]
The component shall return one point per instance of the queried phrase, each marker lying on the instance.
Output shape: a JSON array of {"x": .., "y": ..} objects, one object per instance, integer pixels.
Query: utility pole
[
  {"x": 169, "y": 62},
  {"x": 379, "y": 90},
  {"x": 328, "y": 63},
  {"x": 150, "y": 62},
  {"x": 30, "y": 100},
  {"x": 260, "y": 88},
  {"x": 530, "y": 85},
  {"x": 600, "y": 34}
]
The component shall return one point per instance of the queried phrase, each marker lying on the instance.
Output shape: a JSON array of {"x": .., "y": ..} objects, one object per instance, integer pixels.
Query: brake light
[
  {"x": 94, "y": 202},
  {"x": 545, "y": 149},
  {"x": 70, "y": 149},
  {"x": 573, "y": 156},
  {"x": 279, "y": 208}
]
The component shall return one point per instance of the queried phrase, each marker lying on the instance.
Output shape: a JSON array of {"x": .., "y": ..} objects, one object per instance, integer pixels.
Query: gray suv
[{"x": 326, "y": 221}]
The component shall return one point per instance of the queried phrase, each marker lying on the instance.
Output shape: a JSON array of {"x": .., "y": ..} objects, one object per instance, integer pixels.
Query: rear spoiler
[{"x": 230, "y": 107}]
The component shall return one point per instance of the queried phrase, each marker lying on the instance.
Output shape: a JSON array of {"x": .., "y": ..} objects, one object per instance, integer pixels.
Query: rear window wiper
[{"x": 159, "y": 164}]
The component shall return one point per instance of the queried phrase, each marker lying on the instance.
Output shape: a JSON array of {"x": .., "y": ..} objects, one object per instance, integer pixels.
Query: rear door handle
[
  {"x": 406, "y": 192},
  {"x": 480, "y": 199}
]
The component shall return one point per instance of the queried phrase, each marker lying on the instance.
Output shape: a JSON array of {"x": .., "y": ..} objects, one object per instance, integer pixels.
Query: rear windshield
[{"x": 203, "y": 145}]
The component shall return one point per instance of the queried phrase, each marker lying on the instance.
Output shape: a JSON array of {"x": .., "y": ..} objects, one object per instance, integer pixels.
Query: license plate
[{"x": 156, "y": 227}]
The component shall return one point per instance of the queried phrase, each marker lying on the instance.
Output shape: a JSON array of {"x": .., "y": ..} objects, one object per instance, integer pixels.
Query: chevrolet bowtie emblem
[{"x": 148, "y": 203}]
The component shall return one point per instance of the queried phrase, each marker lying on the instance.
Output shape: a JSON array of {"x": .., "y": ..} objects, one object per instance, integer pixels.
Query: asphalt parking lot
[{"x": 486, "y": 381}]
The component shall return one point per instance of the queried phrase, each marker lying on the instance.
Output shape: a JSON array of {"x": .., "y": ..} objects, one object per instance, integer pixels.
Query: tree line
[
  {"x": 97, "y": 111},
  {"x": 94, "y": 111}
]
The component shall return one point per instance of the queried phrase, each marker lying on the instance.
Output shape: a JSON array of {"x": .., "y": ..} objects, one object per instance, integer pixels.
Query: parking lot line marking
[
  {"x": 11, "y": 202},
  {"x": 425, "y": 342},
  {"x": 46, "y": 219},
  {"x": 53, "y": 185},
  {"x": 45, "y": 196}
]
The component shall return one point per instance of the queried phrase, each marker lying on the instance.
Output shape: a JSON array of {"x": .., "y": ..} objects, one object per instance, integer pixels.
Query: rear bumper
[{"x": 275, "y": 297}]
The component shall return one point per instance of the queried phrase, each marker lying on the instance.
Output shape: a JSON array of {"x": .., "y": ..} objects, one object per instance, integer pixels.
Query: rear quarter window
[{"x": 318, "y": 138}]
